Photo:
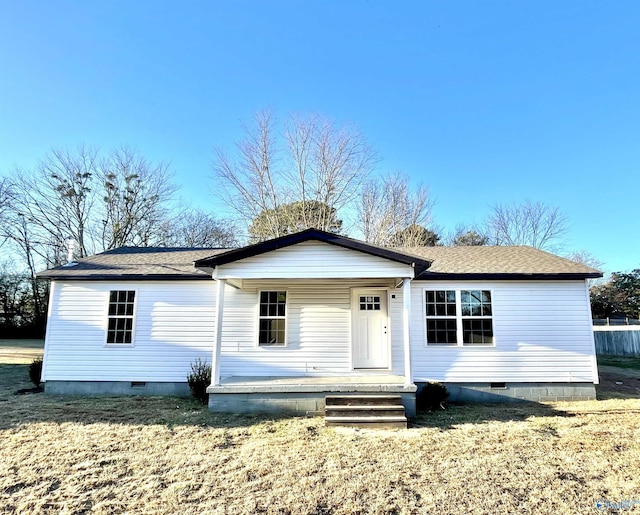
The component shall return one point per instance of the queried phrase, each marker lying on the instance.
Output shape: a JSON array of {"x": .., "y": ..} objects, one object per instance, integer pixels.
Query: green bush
[
  {"x": 431, "y": 396},
  {"x": 199, "y": 378},
  {"x": 35, "y": 371}
]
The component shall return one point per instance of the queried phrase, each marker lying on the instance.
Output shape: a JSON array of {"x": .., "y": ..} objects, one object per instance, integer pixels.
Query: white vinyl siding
[
  {"x": 311, "y": 260},
  {"x": 174, "y": 325},
  {"x": 542, "y": 331},
  {"x": 318, "y": 329}
]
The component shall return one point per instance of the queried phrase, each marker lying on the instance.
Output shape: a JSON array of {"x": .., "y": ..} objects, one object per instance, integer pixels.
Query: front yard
[{"x": 149, "y": 455}]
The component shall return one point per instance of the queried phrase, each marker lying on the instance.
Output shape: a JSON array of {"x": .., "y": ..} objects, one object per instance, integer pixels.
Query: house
[{"x": 287, "y": 322}]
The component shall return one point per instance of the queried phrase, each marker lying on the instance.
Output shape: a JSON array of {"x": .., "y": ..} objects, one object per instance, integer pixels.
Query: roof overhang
[
  {"x": 435, "y": 276},
  {"x": 122, "y": 277}
]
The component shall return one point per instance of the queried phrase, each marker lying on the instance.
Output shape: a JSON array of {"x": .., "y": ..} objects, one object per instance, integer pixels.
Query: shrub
[
  {"x": 35, "y": 371},
  {"x": 199, "y": 378},
  {"x": 431, "y": 396}
]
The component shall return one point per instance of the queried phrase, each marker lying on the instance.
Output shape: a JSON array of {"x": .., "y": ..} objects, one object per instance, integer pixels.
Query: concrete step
[
  {"x": 383, "y": 410},
  {"x": 368, "y": 422},
  {"x": 371, "y": 411},
  {"x": 363, "y": 400}
]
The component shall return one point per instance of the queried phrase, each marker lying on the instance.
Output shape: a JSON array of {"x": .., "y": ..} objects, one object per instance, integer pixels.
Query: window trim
[
  {"x": 285, "y": 318},
  {"x": 458, "y": 318},
  {"x": 134, "y": 317}
]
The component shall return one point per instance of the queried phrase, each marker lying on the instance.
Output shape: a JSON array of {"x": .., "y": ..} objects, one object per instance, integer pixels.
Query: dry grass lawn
[
  {"x": 167, "y": 455},
  {"x": 20, "y": 352}
]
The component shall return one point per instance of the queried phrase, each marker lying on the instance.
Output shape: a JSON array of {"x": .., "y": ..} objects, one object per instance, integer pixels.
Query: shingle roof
[
  {"x": 137, "y": 263},
  {"x": 481, "y": 260},
  {"x": 446, "y": 262}
]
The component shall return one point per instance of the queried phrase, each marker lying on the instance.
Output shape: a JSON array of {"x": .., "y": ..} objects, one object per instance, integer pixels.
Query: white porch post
[
  {"x": 406, "y": 334},
  {"x": 217, "y": 340}
]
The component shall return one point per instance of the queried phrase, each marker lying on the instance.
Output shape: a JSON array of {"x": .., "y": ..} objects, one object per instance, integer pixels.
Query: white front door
[{"x": 370, "y": 329}]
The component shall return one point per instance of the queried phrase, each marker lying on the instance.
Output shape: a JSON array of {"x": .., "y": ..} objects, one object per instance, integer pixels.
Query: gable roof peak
[{"x": 309, "y": 235}]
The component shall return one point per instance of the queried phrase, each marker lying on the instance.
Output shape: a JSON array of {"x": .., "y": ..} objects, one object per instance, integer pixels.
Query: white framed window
[
  {"x": 272, "y": 318},
  {"x": 459, "y": 317},
  {"x": 120, "y": 317}
]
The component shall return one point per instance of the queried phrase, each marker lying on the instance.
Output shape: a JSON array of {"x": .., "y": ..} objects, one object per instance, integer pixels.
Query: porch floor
[{"x": 352, "y": 383}]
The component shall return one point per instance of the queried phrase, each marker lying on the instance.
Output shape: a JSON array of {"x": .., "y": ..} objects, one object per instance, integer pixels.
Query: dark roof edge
[
  {"x": 434, "y": 276},
  {"x": 312, "y": 234},
  {"x": 124, "y": 277}
]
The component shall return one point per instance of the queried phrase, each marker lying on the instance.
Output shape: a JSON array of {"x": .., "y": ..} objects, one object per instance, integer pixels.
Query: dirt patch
[{"x": 618, "y": 383}]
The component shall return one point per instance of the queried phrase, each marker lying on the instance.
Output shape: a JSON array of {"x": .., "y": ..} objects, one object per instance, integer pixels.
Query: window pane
[
  {"x": 440, "y": 303},
  {"x": 478, "y": 331},
  {"x": 271, "y": 332},
  {"x": 441, "y": 331},
  {"x": 477, "y": 303}
]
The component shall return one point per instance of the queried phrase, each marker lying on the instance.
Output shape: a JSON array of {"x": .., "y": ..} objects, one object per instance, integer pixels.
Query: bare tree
[
  {"x": 197, "y": 228},
  {"x": 327, "y": 166},
  {"x": 313, "y": 162},
  {"x": 586, "y": 258},
  {"x": 249, "y": 183},
  {"x": 53, "y": 203},
  {"x": 393, "y": 214},
  {"x": 98, "y": 203},
  {"x": 134, "y": 203},
  {"x": 531, "y": 223},
  {"x": 6, "y": 193}
]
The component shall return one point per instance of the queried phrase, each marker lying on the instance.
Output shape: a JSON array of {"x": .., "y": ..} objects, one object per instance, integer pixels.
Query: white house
[{"x": 288, "y": 321}]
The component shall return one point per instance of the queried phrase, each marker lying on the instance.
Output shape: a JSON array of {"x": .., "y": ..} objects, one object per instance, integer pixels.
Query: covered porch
[
  {"x": 310, "y": 315},
  {"x": 303, "y": 395}
]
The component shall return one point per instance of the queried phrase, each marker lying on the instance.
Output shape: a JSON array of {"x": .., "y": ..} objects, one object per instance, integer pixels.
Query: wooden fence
[
  {"x": 617, "y": 341},
  {"x": 616, "y": 321}
]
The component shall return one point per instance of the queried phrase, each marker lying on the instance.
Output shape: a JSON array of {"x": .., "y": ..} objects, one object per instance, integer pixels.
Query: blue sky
[{"x": 485, "y": 102}]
